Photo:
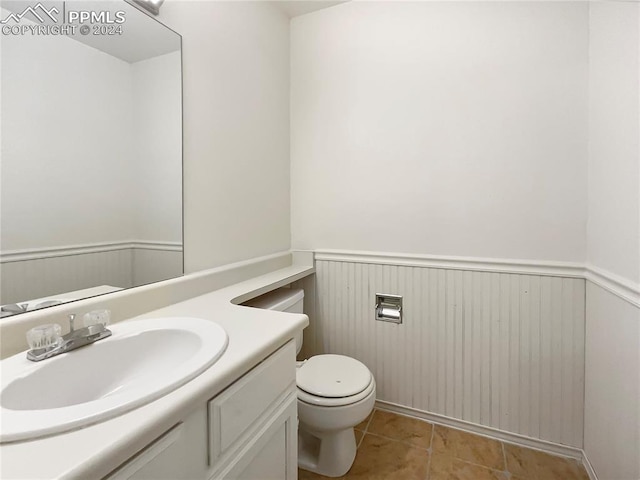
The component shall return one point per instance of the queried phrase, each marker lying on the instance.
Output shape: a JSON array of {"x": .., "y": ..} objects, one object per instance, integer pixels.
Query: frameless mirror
[{"x": 91, "y": 152}]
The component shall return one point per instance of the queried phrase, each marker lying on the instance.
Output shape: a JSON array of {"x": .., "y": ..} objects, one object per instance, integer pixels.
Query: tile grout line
[
  {"x": 433, "y": 432},
  {"x": 430, "y": 449},
  {"x": 412, "y": 445},
  {"x": 470, "y": 462},
  {"x": 366, "y": 429},
  {"x": 504, "y": 459}
]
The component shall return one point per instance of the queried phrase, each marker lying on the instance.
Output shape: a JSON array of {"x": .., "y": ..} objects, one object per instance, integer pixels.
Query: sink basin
[{"x": 142, "y": 361}]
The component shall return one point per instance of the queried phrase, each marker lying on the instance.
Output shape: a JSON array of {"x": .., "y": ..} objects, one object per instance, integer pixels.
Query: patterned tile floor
[{"x": 392, "y": 446}]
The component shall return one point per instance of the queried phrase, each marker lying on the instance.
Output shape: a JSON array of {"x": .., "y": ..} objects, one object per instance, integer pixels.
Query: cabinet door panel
[
  {"x": 272, "y": 454},
  {"x": 270, "y": 463},
  {"x": 180, "y": 453},
  {"x": 243, "y": 403}
]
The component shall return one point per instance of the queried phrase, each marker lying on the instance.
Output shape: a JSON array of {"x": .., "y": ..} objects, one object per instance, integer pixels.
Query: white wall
[
  {"x": 442, "y": 128},
  {"x": 612, "y": 363},
  {"x": 236, "y": 129},
  {"x": 58, "y": 80},
  {"x": 614, "y": 142},
  {"x": 612, "y": 386},
  {"x": 88, "y": 157},
  {"x": 157, "y": 143}
]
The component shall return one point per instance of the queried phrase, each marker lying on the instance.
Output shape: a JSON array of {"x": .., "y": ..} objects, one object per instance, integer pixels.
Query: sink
[{"x": 142, "y": 361}]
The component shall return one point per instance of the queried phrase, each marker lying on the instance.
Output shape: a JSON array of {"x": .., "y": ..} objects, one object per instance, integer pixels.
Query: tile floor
[{"x": 392, "y": 446}]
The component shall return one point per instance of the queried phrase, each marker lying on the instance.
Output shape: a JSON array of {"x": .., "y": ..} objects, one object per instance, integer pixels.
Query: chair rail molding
[
  {"x": 619, "y": 286},
  {"x": 22, "y": 255}
]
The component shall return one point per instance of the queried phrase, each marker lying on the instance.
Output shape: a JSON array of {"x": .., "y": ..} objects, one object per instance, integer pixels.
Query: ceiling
[
  {"x": 142, "y": 35},
  {"x": 300, "y": 7}
]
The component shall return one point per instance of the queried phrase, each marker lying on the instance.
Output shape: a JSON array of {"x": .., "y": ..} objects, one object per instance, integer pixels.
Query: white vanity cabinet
[{"x": 248, "y": 432}]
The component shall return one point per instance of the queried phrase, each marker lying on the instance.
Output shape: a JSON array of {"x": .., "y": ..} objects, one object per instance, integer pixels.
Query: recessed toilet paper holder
[{"x": 388, "y": 308}]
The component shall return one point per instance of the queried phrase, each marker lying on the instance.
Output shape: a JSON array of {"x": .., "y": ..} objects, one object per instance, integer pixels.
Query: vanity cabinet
[{"x": 248, "y": 432}]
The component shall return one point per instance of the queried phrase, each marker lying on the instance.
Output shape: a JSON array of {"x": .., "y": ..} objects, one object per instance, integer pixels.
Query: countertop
[{"x": 94, "y": 451}]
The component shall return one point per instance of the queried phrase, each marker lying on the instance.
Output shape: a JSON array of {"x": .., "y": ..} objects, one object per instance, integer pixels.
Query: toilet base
[{"x": 329, "y": 454}]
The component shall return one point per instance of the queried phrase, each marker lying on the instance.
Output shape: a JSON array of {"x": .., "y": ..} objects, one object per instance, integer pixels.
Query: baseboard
[{"x": 537, "y": 444}]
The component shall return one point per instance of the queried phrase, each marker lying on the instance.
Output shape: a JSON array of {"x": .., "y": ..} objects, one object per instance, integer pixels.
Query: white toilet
[{"x": 335, "y": 393}]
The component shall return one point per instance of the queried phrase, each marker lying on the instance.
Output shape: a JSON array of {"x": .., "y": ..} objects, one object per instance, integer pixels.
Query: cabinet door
[
  {"x": 242, "y": 406},
  {"x": 180, "y": 453},
  {"x": 273, "y": 453},
  {"x": 271, "y": 461}
]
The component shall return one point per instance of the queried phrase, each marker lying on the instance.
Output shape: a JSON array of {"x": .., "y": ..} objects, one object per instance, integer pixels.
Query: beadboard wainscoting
[
  {"x": 32, "y": 274},
  {"x": 496, "y": 349},
  {"x": 612, "y": 384}
]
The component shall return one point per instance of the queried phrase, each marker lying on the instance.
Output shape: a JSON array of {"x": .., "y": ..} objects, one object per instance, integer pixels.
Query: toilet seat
[
  {"x": 333, "y": 380},
  {"x": 335, "y": 402}
]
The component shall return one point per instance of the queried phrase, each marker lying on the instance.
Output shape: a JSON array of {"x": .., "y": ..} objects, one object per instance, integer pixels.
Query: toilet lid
[{"x": 333, "y": 376}]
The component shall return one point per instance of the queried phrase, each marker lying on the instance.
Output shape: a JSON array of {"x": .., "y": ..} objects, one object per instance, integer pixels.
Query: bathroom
[{"x": 479, "y": 159}]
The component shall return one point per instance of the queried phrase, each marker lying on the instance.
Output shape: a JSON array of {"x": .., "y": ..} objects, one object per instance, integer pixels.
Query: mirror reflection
[{"x": 91, "y": 157}]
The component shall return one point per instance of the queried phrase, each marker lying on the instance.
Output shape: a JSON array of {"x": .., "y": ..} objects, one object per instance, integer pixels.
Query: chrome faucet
[
  {"x": 45, "y": 341},
  {"x": 14, "y": 308}
]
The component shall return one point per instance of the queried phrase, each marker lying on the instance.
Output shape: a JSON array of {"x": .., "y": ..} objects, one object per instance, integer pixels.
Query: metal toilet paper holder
[{"x": 388, "y": 308}]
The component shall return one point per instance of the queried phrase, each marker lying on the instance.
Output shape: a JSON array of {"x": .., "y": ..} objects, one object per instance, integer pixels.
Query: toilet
[{"x": 335, "y": 393}]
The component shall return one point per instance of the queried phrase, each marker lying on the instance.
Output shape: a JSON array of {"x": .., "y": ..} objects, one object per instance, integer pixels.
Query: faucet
[
  {"x": 45, "y": 341},
  {"x": 13, "y": 308}
]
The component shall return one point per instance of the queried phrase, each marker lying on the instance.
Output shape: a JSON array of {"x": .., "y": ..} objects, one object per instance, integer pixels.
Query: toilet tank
[{"x": 282, "y": 300}]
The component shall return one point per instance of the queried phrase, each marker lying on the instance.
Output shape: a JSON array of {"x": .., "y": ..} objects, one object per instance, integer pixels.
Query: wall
[
  {"x": 157, "y": 117},
  {"x": 458, "y": 130},
  {"x": 612, "y": 386},
  {"x": 82, "y": 156},
  {"x": 40, "y": 186},
  {"x": 35, "y": 216},
  {"x": 236, "y": 129},
  {"x": 157, "y": 120},
  {"x": 441, "y": 128},
  {"x": 49, "y": 273},
  {"x": 612, "y": 383},
  {"x": 614, "y": 142},
  {"x": 40, "y": 278}
]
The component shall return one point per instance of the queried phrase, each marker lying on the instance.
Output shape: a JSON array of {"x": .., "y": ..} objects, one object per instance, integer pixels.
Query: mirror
[{"x": 91, "y": 152}]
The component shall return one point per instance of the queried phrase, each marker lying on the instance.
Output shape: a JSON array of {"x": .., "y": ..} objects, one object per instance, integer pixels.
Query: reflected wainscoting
[
  {"x": 37, "y": 273},
  {"x": 498, "y": 350}
]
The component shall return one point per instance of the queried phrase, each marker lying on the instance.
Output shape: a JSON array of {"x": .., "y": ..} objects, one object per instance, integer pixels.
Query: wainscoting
[
  {"x": 612, "y": 385},
  {"x": 32, "y": 274},
  {"x": 501, "y": 350}
]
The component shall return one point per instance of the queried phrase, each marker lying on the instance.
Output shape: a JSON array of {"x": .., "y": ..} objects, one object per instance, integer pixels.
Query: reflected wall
[{"x": 91, "y": 172}]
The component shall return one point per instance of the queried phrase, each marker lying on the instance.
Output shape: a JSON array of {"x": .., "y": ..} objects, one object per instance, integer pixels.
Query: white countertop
[{"x": 93, "y": 452}]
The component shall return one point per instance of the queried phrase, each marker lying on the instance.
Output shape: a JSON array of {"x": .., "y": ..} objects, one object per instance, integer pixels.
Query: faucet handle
[
  {"x": 97, "y": 317},
  {"x": 44, "y": 336},
  {"x": 72, "y": 317}
]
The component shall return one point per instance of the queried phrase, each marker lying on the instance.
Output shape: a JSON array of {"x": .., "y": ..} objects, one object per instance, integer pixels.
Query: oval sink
[{"x": 142, "y": 361}]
